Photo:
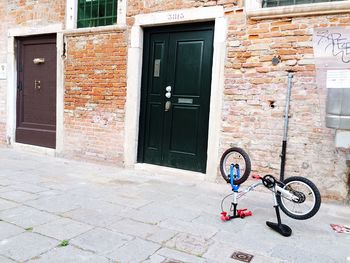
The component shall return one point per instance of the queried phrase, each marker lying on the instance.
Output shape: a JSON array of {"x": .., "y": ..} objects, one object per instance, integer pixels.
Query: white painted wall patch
[{"x": 3, "y": 71}]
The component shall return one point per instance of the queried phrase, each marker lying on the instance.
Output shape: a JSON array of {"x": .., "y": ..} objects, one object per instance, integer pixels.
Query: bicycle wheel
[
  {"x": 235, "y": 155},
  {"x": 308, "y": 201}
]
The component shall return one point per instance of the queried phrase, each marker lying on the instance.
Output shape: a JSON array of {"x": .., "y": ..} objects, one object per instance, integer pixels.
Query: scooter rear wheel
[{"x": 308, "y": 198}]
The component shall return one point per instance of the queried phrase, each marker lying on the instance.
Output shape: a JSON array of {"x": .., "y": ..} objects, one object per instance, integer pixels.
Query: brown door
[{"x": 36, "y": 91}]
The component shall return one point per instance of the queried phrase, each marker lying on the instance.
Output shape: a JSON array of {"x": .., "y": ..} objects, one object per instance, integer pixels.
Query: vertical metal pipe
[
  {"x": 286, "y": 112},
  {"x": 285, "y": 131}
]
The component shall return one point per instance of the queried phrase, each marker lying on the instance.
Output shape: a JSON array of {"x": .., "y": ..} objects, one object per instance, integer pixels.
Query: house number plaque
[{"x": 176, "y": 16}]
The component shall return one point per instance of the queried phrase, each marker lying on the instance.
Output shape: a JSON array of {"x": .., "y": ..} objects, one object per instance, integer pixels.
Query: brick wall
[
  {"x": 252, "y": 84},
  {"x": 255, "y": 92},
  {"x": 95, "y": 80},
  {"x": 35, "y": 12}
]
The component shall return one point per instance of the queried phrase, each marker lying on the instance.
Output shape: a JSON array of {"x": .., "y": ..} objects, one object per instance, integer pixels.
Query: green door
[{"x": 176, "y": 82}]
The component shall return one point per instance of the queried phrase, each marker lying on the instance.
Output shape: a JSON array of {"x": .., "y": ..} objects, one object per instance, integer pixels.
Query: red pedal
[
  {"x": 242, "y": 213},
  {"x": 224, "y": 216}
]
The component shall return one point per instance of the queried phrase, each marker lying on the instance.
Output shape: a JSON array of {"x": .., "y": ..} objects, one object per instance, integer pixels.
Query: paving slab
[
  {"x": 172, "y": 255},
  {"x": 29, "y": 188},
  {"x": 5, "y": 204},
  {"x": 100, "y": 240},
  {"x": 68, "y": 254},
  {"x": 298, "y": 254},
  {"x": 134, "y": 228},
  {"x": 6, "y": 260},
  {"x": 168, "y": 211},
  {"x": 96, "y": 191},
  {"x": 25, "y": 216},
  {"x": 144, "y": 215},
  {"x": 6, "y": 182},
  {"x": 136, "y": 250},
  {"x": 8, "y": 230},
  {"x": 189, "y": 243},
  {"x": 93, "y": 217},
  {"x": 49, "y": 193},
  {"x": 196, "y": 229},
  {"x": 130, "y": 202},
  {"x": 161, "y": 235},
  {"x": 18, "y": 196},
  {"x": 26, "y": 246},
  {"x": 155, "y": 259},
  {"x": 62, "y": 229},
  {"x": 5, "y": 189},
  {"x": 100, "y": 205},
  {"x": 57, "y": 185},
  {"x": 150, "y": 232},
  {"x": 56, "y": 204}
]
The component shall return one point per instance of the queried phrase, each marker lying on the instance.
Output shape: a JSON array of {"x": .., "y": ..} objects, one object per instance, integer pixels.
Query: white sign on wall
[
  {"x": 3, "y": 71},
  {"x": 338, "y": 79}
]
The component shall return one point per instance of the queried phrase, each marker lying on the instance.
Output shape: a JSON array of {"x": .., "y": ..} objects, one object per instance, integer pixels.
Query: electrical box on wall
[
  {"x": 338, "y": 109},
  {"x": 338, "y": 99}
]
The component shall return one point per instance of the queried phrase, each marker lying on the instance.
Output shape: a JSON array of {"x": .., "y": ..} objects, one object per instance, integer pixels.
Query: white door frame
[
  {"x": 12, "y": 86},
  {"x": 134, "y": 72}
]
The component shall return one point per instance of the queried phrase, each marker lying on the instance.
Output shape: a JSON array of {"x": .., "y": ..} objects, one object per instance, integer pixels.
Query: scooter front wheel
[{"x": 235, "y": 156}]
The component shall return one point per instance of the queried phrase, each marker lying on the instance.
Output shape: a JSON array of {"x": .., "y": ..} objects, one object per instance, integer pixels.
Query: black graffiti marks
[{"x": 336, "y": 42}]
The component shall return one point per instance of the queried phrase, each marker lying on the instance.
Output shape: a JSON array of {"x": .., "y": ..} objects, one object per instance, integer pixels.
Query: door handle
[
  {"x": 37, "y": 85},
  {"x": 167, "y": 105}
]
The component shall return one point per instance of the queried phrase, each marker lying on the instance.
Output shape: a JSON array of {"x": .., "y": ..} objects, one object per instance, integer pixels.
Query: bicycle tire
[
  {"x": 311, "y": 187},
  {"x": 224, "y": 167}
]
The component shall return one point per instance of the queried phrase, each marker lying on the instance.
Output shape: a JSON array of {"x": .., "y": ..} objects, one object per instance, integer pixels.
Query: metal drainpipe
[{"x": 286, "y": 122}]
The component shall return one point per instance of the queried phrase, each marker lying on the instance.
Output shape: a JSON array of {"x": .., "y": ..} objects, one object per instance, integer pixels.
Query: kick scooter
[{"x": 297, "y": 196}]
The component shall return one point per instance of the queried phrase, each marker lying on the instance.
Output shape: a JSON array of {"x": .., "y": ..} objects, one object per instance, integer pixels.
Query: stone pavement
[{"x": 108, "y": 214}]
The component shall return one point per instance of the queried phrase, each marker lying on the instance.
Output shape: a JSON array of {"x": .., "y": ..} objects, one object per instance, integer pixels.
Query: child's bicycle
[{"x": 297, "y": 196}]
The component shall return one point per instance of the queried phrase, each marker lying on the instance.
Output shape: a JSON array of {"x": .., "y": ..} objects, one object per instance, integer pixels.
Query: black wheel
[
  {"x": 306, "y": 201},
  {"x": 235, "y": 156}
]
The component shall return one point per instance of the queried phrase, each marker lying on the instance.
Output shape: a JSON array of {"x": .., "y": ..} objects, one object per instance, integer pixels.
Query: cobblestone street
[{"x": 57, "y": 210}]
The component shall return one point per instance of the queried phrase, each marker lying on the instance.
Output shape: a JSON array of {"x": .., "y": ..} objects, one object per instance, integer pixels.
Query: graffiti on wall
[
  {"x": 333, "y": 42},
  {"x": 332, "y": 56}
]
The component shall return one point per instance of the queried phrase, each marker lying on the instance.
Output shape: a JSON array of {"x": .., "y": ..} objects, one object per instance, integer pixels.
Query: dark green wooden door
[{"x": 175, "y": 96}]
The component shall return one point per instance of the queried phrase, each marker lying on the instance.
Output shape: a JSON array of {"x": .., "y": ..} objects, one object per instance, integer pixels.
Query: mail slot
[
  {"x": 185, "y": 100},
  {"x": 338, "y": 108}
]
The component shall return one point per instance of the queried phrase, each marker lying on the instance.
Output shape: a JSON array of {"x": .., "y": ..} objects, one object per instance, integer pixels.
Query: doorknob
[
  {"x": 37, "y": 85},
  {"x": 168, "y": 92}
]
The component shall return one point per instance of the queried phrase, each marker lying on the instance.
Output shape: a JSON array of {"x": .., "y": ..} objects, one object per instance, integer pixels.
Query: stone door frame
[
  {"x": 134, "y": 71},
  {"x": 12, "y": 86}
]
